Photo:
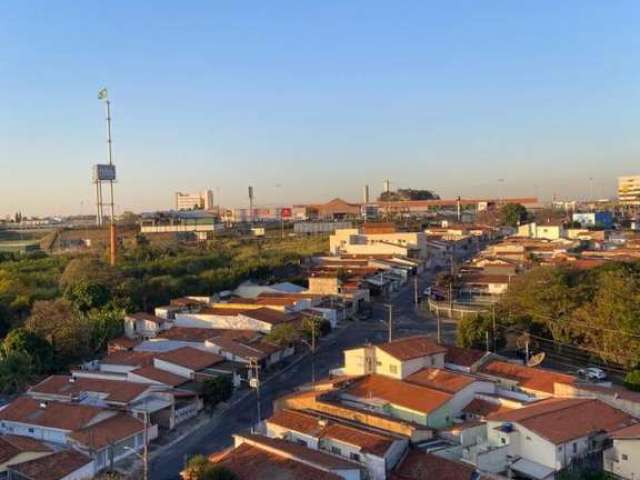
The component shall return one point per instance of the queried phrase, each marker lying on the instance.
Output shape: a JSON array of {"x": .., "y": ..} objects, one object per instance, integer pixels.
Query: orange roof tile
[
  {"x": 444, "y": 380},
  {"x": 268, "y": 315},
  {"x": 161, "y": 376},
  {"x": 397, "y": 392},
  {"x": 562, "y": 420},
  {"x": 482, "y": 408},
  {"x": 418, "y": 465},
  {"x": 12, "y": 445},
  {"x": 411, "y": 347},
  {"x": 129, "y": 358},
  {"x": 64, "y": 416},
  {"x": 67, "y": 386},
  {"x": 537, "y": 379},
  {"x": 627, "y": 433},
  {"x": 190, "y": 358},
  {"x": 249, "y": 463},
  {"x": 113, "y": 429},
  {"x": 465, "y": 357},
  {"x": 52, "y": 467}
]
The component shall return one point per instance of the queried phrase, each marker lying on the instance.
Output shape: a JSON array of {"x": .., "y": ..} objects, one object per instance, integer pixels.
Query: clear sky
[{"x": 308, "y": 100}]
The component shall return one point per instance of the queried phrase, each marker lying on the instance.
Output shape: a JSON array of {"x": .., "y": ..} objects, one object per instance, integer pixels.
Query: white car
[{"x": 593, "y": 373}]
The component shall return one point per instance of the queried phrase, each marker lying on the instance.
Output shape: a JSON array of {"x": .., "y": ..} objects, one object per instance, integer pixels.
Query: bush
[{"x": 632, "y": 380}]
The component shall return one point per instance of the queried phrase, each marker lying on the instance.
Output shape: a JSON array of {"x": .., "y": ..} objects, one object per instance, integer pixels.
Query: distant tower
[
  {"x": 365, "y": 194},
  {"x": 387, "y": 186},
  {"x": 106, "y": 173},
  {"x": 459, "y": 207},
  {"x": 251, "y": 203}
]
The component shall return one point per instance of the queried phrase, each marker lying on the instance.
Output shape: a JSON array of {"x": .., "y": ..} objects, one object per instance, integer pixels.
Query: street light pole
[{"x": 390, "y": 307}]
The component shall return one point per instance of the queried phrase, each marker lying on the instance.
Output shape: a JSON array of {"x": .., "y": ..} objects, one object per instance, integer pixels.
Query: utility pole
[
  {"x": 493, "y": 324},
  {"x": 255, "y": 383},
  {"x": 145, "y": 452},
  {"x": 415, "y": 289},
  {"x": 526, "y": 350},
  {"x": 486, "y": 339},
  {"x": 390, "y": 307}
]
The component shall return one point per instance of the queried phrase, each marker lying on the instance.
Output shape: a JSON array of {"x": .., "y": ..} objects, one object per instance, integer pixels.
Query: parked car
[{"x": 593, "y": 373}]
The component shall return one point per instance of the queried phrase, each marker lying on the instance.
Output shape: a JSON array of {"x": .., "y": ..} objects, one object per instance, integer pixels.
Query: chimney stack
[{"x": 365, "y": 194}]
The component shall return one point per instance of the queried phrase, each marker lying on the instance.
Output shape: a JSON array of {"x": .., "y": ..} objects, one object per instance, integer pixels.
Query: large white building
[
  {"x": 353, "y": 241},
  {"x": 194, "y": 201},
  {"x": 629, "y": 190}
]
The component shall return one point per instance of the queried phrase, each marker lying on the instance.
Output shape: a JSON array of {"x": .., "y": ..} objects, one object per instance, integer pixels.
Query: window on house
[
  {"x": 575, "y": 447},
  {"x": 528, "y": 437},
  {"x": 30, "y": 430},
  {"x": 379, "y": 363},
  {"x": 393, "y": 368},
  {"x": 355, "y": 457},
  {"x": 503, "y": 441},
  {"x": 625, "y": 457},
  {"x": 336, "y": 451},
  {"x": 299, "y": 441}
]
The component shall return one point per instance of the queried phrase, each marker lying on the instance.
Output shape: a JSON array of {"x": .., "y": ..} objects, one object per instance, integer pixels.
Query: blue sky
[{"x": 309, "y": 100}]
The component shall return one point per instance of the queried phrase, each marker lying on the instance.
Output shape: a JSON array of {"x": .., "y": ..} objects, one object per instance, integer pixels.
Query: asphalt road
[{"x": 217, "y": 434}]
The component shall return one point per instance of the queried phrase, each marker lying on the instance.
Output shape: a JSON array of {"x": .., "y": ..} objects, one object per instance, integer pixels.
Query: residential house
[
  {"x": 15, "y": 450},
  {"x": 253, "y": 455},
  {"x": 377, "y": 451},
  {"x": 622, "y": 459},
  {"x": 144, "y": 325},
  {"x": 357, "y": 241},
  {"x": 396, "y": 359},
  {"x": 61, "y": 465},
  {"x": 519, "y": 381},
  {"x": 419, "y": 465},
  {"x": 543, "y": 438}
]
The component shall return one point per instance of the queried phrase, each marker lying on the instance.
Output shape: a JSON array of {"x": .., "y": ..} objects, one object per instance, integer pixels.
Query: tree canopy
[
  {"x": 407, "y": 194},
  {"x": 513, "y": 214}
]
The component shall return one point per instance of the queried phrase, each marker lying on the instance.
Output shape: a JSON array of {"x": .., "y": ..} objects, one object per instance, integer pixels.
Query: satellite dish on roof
[{"x": 536, "y": 360}]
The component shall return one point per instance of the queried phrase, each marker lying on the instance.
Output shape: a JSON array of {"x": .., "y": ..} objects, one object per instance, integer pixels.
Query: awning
[{"x": 532, "y": 469}]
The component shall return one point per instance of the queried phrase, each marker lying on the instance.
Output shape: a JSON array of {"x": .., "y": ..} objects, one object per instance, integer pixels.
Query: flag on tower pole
[{"x": 103, "y": 94}]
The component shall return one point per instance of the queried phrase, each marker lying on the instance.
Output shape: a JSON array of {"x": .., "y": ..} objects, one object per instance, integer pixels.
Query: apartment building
[
  {"x": 629, "y": 190},
  {"x": 194, "y": 201}
]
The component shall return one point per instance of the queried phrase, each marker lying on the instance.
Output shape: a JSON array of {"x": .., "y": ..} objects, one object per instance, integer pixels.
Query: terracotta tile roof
[
  {"x": 439, "y": 379},
  {"x": 188, "y": 334},
  {"x": 115, "y": 390},
  {"x": 296, "y": 421},
  {"x": 113, "y": 429},
  {"x": 367, "y": 441},
  {"x": 464, "y": 357},
  {"x": 562, "y": 420},
  {"x": 191, "y": 358},
  {"x": 627, "y": 433},
  {"x": 419, "y": 465},
  {"x": 397, "y": 392},
  {"x": 239, "y": 349},
  {"x": 64, "y": 416},
  {"x": 250, "y": 463},
  {"x": 483, "y": 408},
  {"x": 299, "y": 452},
  {"x": 147, "y": 317},
  {"x": 52, "y": 467},
  {"x": 167, "y": 378},
  {"x": 268, "y": 315},
  {"x": 129, "y": 358},
  {"x": 223, "y": 312},
  {"x": 12, "y": 445},
  {"x": 537, "y": 379},
  {"x": 411, "y": 347}
]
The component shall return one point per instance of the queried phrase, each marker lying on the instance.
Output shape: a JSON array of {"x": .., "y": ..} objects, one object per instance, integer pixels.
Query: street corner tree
[
  {"x": 513, "y": 214},
  {"x": 215, "y": 390}
]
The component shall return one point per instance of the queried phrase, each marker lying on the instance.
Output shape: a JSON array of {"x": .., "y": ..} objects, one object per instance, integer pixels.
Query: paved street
[{"x": 216, "y": 434}]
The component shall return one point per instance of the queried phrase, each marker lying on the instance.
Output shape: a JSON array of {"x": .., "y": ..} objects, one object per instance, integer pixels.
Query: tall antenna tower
[
  {"x": 106, "y": 173},
  {"x": 251, "y": 204}
]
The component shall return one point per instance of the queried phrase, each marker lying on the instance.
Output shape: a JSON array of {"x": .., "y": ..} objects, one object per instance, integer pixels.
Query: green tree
[
  {"x": 39, "y": 349},
  {"x": 215, "y": 390},
  {"x": 86, "y": 295},
  {"x": 473, "y": 332},
  {"x": 632, "y": 380},
  {"x": 284, "y": 334},
  {"x": 512, "y": 214},
  {"x": 16, "y": 371},
  {"x": 104, "y": 324},
  {"x": 87, "y": 269},
  {"x": 68, "y": 332}
]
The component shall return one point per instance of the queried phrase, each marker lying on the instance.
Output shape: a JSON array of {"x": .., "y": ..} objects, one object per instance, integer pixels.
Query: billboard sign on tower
[{"x": 104, "y": 172}]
